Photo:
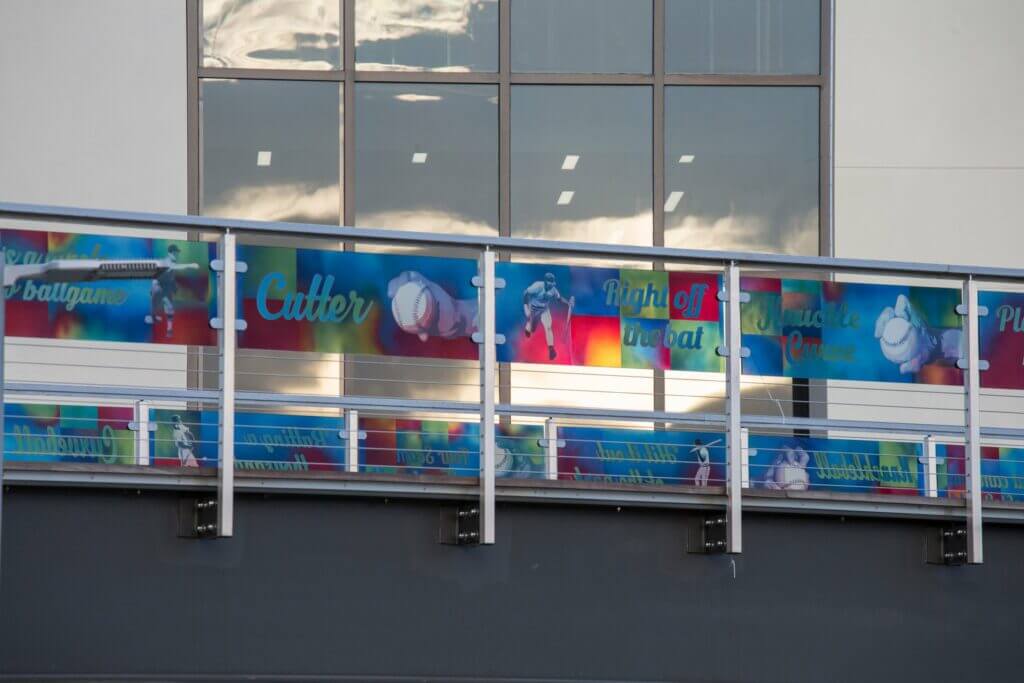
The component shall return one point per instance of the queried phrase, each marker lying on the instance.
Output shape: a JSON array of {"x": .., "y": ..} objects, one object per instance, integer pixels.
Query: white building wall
[
  {"x": 93, "y": 114},
  {"x": 929, "y": 136},
  {"x": 929, "y": 156},
  {"x": 93, "y": 103}
]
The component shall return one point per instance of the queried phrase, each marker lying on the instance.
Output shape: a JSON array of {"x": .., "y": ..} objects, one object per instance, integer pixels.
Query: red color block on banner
[{"x": 693, "y": 296}]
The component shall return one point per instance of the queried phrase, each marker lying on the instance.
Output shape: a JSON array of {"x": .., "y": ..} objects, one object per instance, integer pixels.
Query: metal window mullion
[
  {"x": 488, "y": 343},
  {"x": 226, "y": 337},
  {"x": 193, "y": 41},
  {"x": 972, "y": 431},
  {"x": 733, "y": 429},
  {"x": 826, "y": 140}
]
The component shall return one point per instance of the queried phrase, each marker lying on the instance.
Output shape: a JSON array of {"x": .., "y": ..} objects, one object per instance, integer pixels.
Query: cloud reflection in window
[
  {"x": 427, "y": 35},
  {"x": 276, "y": 34}
]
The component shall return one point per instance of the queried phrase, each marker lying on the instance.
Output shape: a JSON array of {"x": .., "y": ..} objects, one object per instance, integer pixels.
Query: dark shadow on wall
[{"x": 96, "y": 583}]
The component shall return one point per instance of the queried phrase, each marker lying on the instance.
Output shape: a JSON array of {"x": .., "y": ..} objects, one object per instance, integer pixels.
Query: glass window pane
[
  {"x": 741, "y": 168},
  {"x": 271, "y": 150},
  {"x": 581, "y": 163},
  {"x": 742, "y": 36},
  {"x": 585, "y": 36},
  {"x": 427, "y": 35},
  {"x": 272, "y": 34},
  {"x": 427, "y": 157}
]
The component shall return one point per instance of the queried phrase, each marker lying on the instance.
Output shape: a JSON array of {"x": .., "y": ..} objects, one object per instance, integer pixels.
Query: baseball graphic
[
  {"x": 424, "y": 308},
  {"x": 503, "y": 462},
  {"x": 906, "y": 340},
  {"x": 789, "y": 471},
  {"x": 413, "y": 307}
]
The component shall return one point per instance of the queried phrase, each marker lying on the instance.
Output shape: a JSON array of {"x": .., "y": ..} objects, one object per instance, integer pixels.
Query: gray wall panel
[{"x": 95, "y": 582}]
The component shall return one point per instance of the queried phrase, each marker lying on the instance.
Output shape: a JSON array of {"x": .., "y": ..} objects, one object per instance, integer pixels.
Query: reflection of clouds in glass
[
  {"x": 418, "y": 35},
  {"x": 426, "y": 220},
  {"x": 416, "y": 170},
  {"x": 581, "y": 36},
  {"x": 291, "y": 202},
  {"x": 607, "y": 130},
  {"x": 636, "y": 229},
  {"x": 741, "y": 168},
  {"x": 746, "y": 232},
  {"x": 299, "y": 123},
  {"x": 374, "y": 66},
  {"x": 397, "y": 19},
  {"x": 415, "y": 97},
  {"x": 283, "y": 34}
]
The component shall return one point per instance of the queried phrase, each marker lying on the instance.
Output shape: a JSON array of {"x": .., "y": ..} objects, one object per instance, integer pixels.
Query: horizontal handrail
[
  {"x": 19, "y": 211},
  {"x": 388, "y": 405}
]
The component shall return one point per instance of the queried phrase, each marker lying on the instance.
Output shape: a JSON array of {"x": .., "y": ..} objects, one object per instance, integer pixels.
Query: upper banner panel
[{"x": 74, "y": 299}]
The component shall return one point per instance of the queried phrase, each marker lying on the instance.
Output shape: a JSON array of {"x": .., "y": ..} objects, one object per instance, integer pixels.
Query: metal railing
[{"x": 495, "y": 401}]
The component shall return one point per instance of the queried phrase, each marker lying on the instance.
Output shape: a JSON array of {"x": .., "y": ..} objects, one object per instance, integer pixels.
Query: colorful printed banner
[
  {"x": 334, "y": 301},
  {"x": 174, "y": 308},
  {"x": 263, "y": 441},
  {"x": 629, "y": 456},
  {"x": 836, "y": 465},
  {"x": 396, "y": 446},
  {"x": 838, "y": 330},
  {"x": 1002, "y": 340},
  {"x": 305, "y": 443},
  {"x": 1002, "y": 472},
  {"x": 80, "y": 434},
  {"x": 609, "y": 317}
]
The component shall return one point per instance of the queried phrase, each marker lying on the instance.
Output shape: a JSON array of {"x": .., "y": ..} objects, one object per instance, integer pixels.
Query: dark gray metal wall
[{"x": 96, "y": 583}]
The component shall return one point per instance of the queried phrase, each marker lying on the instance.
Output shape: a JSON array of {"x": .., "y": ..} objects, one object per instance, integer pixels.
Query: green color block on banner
[
  {"x": 78, "y": 417},
  {"x": 264, "y": 260},
  {"x": 762, "y": 314},
  {"x": 643, "y": 294}
]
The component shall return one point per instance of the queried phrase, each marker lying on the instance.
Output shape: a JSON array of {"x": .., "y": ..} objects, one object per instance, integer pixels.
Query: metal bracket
[
  {"x": 218, "y": 324},
  {"x": 479, "y": 338},
  {"x": 723, "y": 296},
  {"x": 343, "y": 435},
  {"x": 707, "y": 534},
  {"x": 543, "y": 443},
  {"x": 217, "y": 265},
  {"x": 499, "y": 282},
  {"x": 724, "y": 352},
  {"x": 947, "y": 545},
  {"x": 197, "y": 518},
  {"x": 961, "y": 309},
  {"x": 133, "y": 426},
  {"x": 963, "y": 364},
  {"x": 459, "y": 525}
]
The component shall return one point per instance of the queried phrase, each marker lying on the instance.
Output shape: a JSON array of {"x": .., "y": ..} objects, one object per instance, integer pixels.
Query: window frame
[{"x": 504, "y": 78}]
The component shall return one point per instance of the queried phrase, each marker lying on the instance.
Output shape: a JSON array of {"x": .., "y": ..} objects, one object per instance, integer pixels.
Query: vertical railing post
[
  {"x": 140, "y": 417},
  {"x": 931, "y": 468},
  {"x": 227, "y": 302},
  {"x": 550, "y": 449},
  {"x": 733, "y": 352},
  {"x": 488, "y": 371},
  {"x": 351, "y": 440},
  {"x": 745, "y": 464},
  {"x": 972, "y": 392}
]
